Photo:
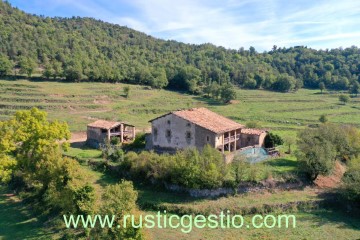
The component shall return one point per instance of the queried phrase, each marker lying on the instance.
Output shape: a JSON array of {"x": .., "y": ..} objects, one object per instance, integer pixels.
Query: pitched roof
[
  {"x": 104, "y": 124},
  {"x": 252, "y": 131},
  {"x": 207, "y": 119}
]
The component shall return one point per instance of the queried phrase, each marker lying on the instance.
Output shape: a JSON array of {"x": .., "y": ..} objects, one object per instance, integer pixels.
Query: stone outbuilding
[
  {"x": 197, "y": 127},
  {"x": 252, "y": 137},
  {"x": 100, "y": 131}
]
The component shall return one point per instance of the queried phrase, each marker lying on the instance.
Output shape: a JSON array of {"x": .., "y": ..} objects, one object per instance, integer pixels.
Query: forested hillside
[{"x": 79, "y": 49}]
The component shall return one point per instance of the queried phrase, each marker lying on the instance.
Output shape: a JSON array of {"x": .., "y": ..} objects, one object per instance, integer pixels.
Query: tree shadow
[
  {"x": 17, "y": 221},
  {"x": 80, "y": 145},
  {"x": 156, "y": 195},
  {"x": 282, "y": 162},
  {"x": 335, "y": 208}
]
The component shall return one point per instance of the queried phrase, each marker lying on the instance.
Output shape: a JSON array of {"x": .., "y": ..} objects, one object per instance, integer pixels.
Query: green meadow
[{"x": 81, "y": 103}]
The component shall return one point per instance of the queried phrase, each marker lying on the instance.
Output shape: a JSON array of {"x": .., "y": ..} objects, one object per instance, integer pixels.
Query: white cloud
[{"x": 235, "y": 23}]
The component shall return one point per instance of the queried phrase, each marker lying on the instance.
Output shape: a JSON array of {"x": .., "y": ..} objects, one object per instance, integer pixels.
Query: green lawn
[
  {"x": 83, "y": 153},
  {"x": 283, "y": 165}
]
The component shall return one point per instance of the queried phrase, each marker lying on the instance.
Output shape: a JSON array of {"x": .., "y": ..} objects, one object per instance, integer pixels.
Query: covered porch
[
  {"x": 125, "y": 132},
  {"x": 101, "y": 131},
  {"x": 231, "y": 141}
]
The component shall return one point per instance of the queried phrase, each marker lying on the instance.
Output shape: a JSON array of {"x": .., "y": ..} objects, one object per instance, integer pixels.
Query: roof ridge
[{"x": 208, "y": 119}]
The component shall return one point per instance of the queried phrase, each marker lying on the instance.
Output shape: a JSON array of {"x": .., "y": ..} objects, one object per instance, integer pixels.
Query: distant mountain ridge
[{"x": 87, "y": 49}]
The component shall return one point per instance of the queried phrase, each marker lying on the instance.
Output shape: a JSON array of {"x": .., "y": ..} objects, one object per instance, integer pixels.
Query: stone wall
[
  {"x": 249, "y": 140},
  {"x": 182, "y": 132},
  {"x": 262, "y": 139},
  {"x": 95, "y": 136},
  {"x": 242, "y": 188},
  {"x": 203, "y": 137}
]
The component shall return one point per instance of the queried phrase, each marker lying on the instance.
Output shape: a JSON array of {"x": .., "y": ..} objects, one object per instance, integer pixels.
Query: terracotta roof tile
[
  {"x": 252, "y": 131},
  {"x": 104, "y": 124},
  {"x": 209, "y": 120}
]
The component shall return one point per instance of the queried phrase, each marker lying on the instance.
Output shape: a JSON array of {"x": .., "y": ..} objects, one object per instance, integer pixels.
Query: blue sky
[{"x": 233, "y": 24}]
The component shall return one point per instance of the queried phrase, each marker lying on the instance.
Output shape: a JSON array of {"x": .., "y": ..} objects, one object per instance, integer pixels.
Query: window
[
  {"x": 168, "y": 122},
  {"x": 188, "y": 135},
  {"x": 168, "y": 133},
  {"x": 188, "y": 124},
  {"x": 207, "y": 138}
]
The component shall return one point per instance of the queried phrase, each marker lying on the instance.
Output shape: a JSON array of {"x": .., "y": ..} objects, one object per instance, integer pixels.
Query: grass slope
[
  {"x": 17, "y": 220},
  {"x": 81, "y": 103},
  {"x": 319, "y": 225}
]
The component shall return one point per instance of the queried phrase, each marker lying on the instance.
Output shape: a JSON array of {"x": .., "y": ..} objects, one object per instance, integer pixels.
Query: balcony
[
  {"x": 231, "y": 139},
  {"x": 119, "y": 133},
  {"x": 115, "y": 134}
]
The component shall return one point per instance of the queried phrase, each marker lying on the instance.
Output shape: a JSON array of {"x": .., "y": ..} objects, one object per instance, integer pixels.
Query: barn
[{"x": 101, "y": 131}]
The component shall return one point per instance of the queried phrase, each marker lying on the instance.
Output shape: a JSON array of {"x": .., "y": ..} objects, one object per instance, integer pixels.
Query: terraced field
[{"x": 81, "y": 103}]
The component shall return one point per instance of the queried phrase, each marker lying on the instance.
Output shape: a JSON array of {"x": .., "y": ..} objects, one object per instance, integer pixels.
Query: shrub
[
  {"x": 344, "y": 98},
  {"x": 351, "y": 181},
  {"x": 273, "y": 140},
  {"x": 284, "y": 83},
  {"x": 319, "y": 148},
  {"x": 119, "y": 200},
  {"x": 118, "y": 155},
  {"x": 323, "y": 118},
  {"x": 253, "y": 124},
  {"x": 239, "y": 167},
  {"x": 139, "y": 142},
  {"x": 126, "y": 91},
  {"x": 115, "y": 141},
  {"x": 189, "y": 168}
]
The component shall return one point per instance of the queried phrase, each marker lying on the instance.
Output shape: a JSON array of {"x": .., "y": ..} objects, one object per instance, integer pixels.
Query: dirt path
[
  {"x": 332, "y": 180},
  {"x": 78, "y": 137}
]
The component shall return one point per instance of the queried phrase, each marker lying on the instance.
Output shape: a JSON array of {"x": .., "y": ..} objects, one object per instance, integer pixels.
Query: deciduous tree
[
  {"x": 344, "y": 98},
  {"x": 5, "y": 65}
]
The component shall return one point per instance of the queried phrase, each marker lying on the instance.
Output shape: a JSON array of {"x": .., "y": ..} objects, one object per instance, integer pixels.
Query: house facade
[
  {"x": 198, "y": 127},
  {"x": 101, "y": 131}
]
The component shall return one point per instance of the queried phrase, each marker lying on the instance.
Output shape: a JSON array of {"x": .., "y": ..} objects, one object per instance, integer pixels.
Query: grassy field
[
  {"x": 315, "y": 225},
  {"x": 17, "y": 221},
  {"x": 81, "y": 103},
  {"x": 83, "y": 153}
]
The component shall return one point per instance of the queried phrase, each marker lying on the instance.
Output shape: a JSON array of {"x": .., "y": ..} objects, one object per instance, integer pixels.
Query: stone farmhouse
[
  {"x": 197, "y": 127},
  {"x": 101, "y": 131}
]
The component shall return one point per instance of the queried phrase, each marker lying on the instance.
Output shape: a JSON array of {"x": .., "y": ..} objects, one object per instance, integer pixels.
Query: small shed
[
  {"x": 100, "y": 131},
  {"x": 252, "y": 137}
]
